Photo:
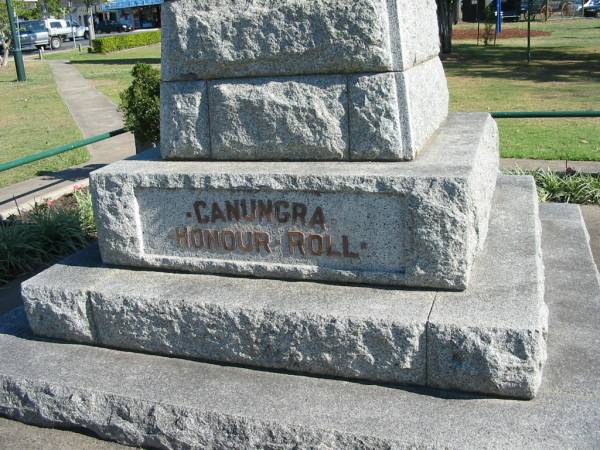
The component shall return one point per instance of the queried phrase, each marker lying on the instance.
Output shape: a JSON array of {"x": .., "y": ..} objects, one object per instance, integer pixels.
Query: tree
[
  {"x": 23, "y": 12},
  {"x": 446, "y": 10},
  {"x": 89, "y": 4}
]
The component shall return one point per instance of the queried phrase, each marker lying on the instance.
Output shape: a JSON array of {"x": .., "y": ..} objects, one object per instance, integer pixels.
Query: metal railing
[
  {"x": 100, "y": 137},
  {"x": 61, "y": 149}
]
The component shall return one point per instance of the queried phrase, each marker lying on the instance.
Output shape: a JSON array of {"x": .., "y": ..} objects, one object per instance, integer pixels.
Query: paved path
[
  {"x": 556, "y": 166},
  {"x": 94, "y": 113}
]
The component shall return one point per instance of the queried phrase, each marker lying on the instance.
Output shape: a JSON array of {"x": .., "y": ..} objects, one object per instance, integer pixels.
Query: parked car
[
  {"x": 44, "y": 33},
  {"x": 112, "y": 26},
  {"x": 80, "y": 31},
  {"x": 34, "y": 34}
]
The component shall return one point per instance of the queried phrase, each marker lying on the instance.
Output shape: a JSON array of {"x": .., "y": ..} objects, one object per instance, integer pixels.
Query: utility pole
[{"x": 16, "y": 38}]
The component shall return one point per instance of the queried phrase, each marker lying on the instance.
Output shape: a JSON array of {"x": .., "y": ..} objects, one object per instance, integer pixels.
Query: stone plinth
[
  {"x": 490, "y": 338},
  {"x": 412, "y": 224},
  {"x": 164, "y": 402},
  {"x": 286, "y": 80},
  {"x": 361, "y": 117}
]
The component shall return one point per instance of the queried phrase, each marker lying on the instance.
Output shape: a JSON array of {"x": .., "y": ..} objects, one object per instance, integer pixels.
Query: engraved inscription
[
  {"x": 308, "y": 230},
  {"x": 298, "y": 243}
]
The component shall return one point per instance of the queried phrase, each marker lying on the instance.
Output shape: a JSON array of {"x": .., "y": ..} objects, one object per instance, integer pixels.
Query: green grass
[
  {"x": 34, "y": 118},
  {"x": 564, "y": 75},
  {"x": 111, "y": 73}
]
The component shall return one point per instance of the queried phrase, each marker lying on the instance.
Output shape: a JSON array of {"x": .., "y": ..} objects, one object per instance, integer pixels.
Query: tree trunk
[
  {"x": 6, "y": 53},
  {"x": 91, "y": 29},
  {"x": 445, "y": 10}
]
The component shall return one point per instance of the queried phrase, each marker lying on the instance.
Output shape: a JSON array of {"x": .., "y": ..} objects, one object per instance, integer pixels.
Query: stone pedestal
[
  {"x": 315, "y": 211},
  {"x": 491, "y": 338},
  {"x": 164, "y": 402},
  {"x": 412, "y": 224}
]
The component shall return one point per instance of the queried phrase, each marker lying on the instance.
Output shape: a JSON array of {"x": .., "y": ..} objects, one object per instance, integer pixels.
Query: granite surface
[
  {"x": 362, "y": 117},
  {"x": 417, "y": 223},
  {"x": 159, "y": 402},
  {"x": 184, "y": 131},
  {"x": 375, "y": 334},
  {"x": 210, "y": 39},
  {"x": 301, "y": 118}
]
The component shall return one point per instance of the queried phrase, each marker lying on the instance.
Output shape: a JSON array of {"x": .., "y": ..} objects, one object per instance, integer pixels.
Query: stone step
[
  {"x": 489, "y": 338},
  {"x": 158, "y": 402},
  {"x": 417, "y": 223}
]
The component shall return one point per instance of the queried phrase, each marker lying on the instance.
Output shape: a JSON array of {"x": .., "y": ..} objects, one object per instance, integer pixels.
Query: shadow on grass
[
  {"x": 123, "y": 61},
  {"x": 510, "y": 62}
]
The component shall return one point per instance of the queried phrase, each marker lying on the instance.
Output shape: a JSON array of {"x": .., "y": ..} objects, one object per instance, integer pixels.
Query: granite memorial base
[
  {"x": 418, "y": 223},
  {"x": 491, "y": 338},
  {"x": 164, "y": 402}
]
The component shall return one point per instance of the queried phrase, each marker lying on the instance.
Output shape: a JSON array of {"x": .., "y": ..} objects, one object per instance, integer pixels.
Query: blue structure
[{"x": 135, "y": 13}]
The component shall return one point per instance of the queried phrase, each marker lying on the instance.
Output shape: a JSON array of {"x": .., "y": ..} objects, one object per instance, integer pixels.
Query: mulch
[{"x": 506, "y": 34}]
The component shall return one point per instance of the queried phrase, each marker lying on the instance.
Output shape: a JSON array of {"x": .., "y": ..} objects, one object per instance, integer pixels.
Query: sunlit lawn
[
  {"x": 111, "y": 73},
  {"x": 564, "y": 75},
  {"x": 34, "y": 118}
]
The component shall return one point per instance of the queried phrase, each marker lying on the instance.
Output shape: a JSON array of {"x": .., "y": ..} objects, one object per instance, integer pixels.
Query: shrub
[
  {"x": 44, "y": 235},
  {"x": 140, "y": 104},
  {"x": 85, "y": 210},
  {"x": 564, "y": 187},
  {"x": 124, "y": 41},
  {"x": 20, "y": 250},
  {"x": 58, "y": 230}
]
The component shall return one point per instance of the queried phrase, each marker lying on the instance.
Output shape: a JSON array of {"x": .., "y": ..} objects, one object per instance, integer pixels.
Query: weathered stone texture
[
  {"x": 184, "y": 131},
  {"x": 210, "y": 39},
  {"x": 331, "y": 330},
  {"x": 375, "y": 132},
  {"x": 492, "y": 337},
  {"x": 489, "y": 338},
  {"x": 426, "y": 210},
  {"x": 417, "y": 39},
  {"x": 279, "y": 119},
  {"x": 424, "y": 98},
  {"x": 393, "y": 115}
]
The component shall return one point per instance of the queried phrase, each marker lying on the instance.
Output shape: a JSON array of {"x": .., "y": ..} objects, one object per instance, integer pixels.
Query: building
[{"x": 135, "y": 13}]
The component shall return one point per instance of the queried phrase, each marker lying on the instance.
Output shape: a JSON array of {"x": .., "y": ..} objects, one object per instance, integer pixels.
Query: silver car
[{"x": 33, "y": 34}]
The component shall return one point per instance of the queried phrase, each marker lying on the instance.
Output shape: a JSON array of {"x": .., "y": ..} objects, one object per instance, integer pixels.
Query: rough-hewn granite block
[
  {"x": 392, "y": 115},
  {"x": 414, "y": 224},
  {"x": 484, "y": 340},
  {"x": 375, "y": 130},
  {"x": 300, "y": 118},
  {"x": 184, "y": 130},
  {"x": 492, "y": 337},
  {"x": 352, "y": 332},
  {"x": 210, "y": 39}
]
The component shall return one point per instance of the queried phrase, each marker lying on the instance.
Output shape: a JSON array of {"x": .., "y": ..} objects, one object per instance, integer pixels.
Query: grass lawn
[
  {"x": 34, "y": 118},
  {"x": 111, "y": 73},
  {"x": 564, "y": 75}
]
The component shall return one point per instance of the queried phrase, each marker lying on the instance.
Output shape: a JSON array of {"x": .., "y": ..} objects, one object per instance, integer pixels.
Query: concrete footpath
[
  {"x": 553, "y": 165},
  {"x": 94, "y": 113}
]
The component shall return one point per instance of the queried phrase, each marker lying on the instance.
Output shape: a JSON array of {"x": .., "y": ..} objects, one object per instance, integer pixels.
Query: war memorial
[{"x": 319, "y": 255}]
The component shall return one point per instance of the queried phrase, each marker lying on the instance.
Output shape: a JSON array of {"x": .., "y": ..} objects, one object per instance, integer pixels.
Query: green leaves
[
  {"x": 140, "y": 103},
  {"x": 46, "y": 234},
  {"x": 124, "y": 41},
  {"x": 564, "y": 188}
]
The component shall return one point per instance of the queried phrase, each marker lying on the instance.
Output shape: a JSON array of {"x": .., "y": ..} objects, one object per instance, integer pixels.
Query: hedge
[{"x": 125, "y": 41}]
